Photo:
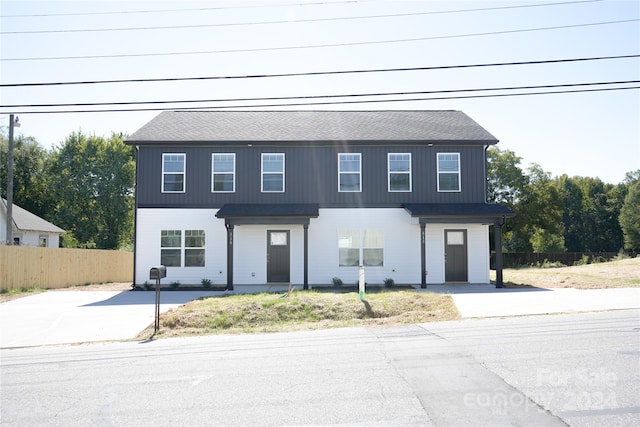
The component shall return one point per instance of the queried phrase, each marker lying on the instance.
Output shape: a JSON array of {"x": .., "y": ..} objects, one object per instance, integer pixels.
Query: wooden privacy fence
[{"x": 26, "y": 267}]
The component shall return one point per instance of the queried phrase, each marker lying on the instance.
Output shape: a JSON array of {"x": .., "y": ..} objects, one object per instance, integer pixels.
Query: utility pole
[{"x": 12, "y": 123}]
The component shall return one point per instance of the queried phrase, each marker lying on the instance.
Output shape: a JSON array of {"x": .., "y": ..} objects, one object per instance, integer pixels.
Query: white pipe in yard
[{"x": 361, "y": 282}]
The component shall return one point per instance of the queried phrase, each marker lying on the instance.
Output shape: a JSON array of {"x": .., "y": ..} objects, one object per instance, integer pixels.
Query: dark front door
[
  {"x": 278, "y": 256},
  {"x": 455, "y": 256}
]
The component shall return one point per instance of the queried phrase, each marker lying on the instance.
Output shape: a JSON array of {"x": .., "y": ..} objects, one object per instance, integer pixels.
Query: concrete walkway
[
  {"x": 488, "y": 301},
  {"x": 86, "y": 316}
]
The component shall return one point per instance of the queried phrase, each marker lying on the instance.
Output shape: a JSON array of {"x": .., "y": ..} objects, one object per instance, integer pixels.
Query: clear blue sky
[{"x": 593, "y": 134}]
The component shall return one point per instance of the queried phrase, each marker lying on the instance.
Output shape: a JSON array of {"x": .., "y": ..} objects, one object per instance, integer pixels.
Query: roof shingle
[{"x": 287, "y": 126}]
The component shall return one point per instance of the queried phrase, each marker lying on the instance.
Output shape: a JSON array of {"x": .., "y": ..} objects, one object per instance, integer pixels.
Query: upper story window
[
  {"x": 223, "y": 167},
  {"x": 173, "y": 172},
  {"x": 349, "y": 172},
  {"x": 448, "y": 172},
  {"x": 272, "y": 172},
  {"x": 399, "y": 171}
]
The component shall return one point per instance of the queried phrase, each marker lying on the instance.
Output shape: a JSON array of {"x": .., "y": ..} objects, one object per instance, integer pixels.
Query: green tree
[
  {"x": 92, "y": 179},
  {"x": 506, "y": 185},
  {"x": 541, "y": 207},
  {"x": 29, "y": 175},
  {"x": 630, "y": 217}
]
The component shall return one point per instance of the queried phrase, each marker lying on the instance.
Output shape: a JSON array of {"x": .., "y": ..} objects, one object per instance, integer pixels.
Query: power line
[
  {"x": 285, "y": 21},
  {"x": 491, "y": 33},
  {"x": 318, "y": 73},
  {"x": 280, "y": 98},
  {"x": 313, "y": 97},
  {"x": 197, "y": 9}
]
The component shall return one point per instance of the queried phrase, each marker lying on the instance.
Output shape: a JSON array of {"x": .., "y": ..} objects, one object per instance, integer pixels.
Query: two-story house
[{"x": 301, "y": 197}]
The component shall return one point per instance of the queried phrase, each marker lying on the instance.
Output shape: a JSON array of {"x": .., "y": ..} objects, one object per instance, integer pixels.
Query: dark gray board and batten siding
[{"x": 311, "y": 174}]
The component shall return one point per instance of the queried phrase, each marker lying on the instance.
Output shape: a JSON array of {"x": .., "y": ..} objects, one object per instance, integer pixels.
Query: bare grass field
[{"x": 623, "y": 273}]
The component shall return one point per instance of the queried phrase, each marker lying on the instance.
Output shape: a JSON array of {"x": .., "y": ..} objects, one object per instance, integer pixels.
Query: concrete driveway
[
  {"x": 87, "y": 316},
  {"x": 83, "y": 316}
]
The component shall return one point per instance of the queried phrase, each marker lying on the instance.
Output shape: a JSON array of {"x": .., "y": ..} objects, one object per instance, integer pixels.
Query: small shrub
[
  {"x": 175, "y": 285},
  {"x": 337, "y": 282},
  {"x": 147, "y": 286},
  {"x": 621, "y": 255},
  {"x": 206, "y": 283},
  {"x": 584, "y": 260},
  {"x": 388, "y": 282}
]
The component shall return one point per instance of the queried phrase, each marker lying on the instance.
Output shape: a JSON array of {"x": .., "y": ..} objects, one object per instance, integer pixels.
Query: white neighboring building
[{"x": 29, "y": 229}]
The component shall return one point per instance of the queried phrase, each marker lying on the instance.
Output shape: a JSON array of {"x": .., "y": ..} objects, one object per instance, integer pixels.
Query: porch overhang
[
  {"x": 244, "y": 214},
  {"x": 448, "y": 213}
]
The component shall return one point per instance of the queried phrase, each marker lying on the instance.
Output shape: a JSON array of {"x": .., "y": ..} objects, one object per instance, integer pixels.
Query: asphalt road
[{"x": 580, "y": 369}]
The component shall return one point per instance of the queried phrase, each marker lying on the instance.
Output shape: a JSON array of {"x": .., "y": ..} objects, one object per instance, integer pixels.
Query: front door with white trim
[
  {"x": 278, "y": 256},
  {"x": 455, "y": 256}
]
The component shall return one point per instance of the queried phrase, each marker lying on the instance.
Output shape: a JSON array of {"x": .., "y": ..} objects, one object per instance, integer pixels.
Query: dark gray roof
[
  {"x": 458, "y": 209},
  {"x": 26, "y": 221},
  {"x": 273, "y": 126}
]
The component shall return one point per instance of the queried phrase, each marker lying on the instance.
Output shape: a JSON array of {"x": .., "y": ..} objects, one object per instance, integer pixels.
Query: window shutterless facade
[
  {"x": 399, "y": 172},
  {"x": 172, "y": 248},
  {"x": 349, "y": 172},
  {"x": 351, "y": 241},
  {"x": 448, "y": 172},
  {"x": 194, "y": 248},
  {"x": 372, "y": 248},
  {"x": 223, "y": 167},
  {"x": 173, "y": 172},
  {"x": 272, "y": 173},
  {"x": 348, "y": 248}
]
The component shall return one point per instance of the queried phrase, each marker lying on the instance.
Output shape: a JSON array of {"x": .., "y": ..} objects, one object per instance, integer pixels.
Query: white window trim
[
  {"x": 185, "y": 248},
  {"x": 359, "y": 244},
  {"x": 213, "y": 172},
  {"x": 184, "y": 173},
  {"x": 410, "y": 173},
  {"x": 459, "y": 173},
  {"x": 359, "y": 190},
  {"x": 263, "y": 173}
]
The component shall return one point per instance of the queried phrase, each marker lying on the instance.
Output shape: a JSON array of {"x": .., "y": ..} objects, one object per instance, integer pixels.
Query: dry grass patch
[
  {"x": 614, "y": 274},
  {"x": 301, "y": 310}
]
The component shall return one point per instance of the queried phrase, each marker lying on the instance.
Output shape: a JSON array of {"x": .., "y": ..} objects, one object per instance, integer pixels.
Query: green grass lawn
[{"x": 301, "y": 310}]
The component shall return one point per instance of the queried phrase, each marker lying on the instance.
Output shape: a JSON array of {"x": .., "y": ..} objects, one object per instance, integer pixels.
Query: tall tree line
[
  {"x": 84, "y": 185},
  {"x": 556, "y": 214}
]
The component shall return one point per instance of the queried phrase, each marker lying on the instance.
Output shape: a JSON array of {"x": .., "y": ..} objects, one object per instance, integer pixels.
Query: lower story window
[
  {"x": 360, "y": 248},
  {"x": 172, "y": 248},
  {"x": 372, "y": 248},
  {"x": 194, "y": 248}
]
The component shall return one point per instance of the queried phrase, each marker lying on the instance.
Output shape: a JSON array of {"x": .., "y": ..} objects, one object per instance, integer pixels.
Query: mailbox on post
[{"x": 157, "y": 273}]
